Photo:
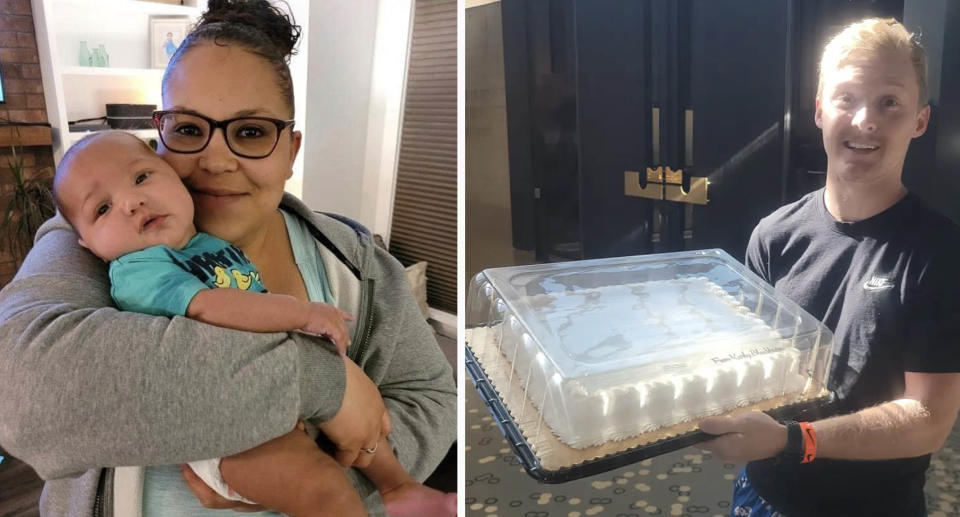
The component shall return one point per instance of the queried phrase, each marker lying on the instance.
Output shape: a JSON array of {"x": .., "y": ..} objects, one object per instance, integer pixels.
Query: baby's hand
[{"x": 330, "y": 322}]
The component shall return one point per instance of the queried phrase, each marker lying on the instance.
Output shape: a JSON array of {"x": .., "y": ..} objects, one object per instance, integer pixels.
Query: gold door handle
[
  {"x": 655, "y": 175},
  {"x": 664, "y": 183},
  {"x": 654, "y": 189},
  {"x": 697, "y": 194}
]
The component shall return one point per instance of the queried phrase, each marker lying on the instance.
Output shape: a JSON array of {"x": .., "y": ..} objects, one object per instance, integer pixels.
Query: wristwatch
[{"x": 792, "y": 453}]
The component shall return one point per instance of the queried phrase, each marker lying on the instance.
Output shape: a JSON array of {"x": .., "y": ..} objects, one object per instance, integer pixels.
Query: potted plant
[{"x": 30, "y": 204}]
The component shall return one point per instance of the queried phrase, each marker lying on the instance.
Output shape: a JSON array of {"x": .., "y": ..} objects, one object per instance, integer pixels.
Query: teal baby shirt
[{"x": 161, "y": 281}]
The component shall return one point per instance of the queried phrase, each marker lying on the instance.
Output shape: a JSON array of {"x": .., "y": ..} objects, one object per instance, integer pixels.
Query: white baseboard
[{"x": 444, "y": 322}]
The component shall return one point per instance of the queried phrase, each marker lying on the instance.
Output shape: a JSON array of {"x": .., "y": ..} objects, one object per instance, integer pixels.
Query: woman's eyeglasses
[{"x": 249, "y": 137}]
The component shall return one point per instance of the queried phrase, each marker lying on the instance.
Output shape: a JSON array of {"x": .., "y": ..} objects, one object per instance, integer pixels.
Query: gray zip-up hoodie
[{"x": 85, "y": 387}]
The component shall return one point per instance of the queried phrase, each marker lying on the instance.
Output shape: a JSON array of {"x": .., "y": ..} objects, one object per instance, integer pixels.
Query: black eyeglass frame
[{"x": 222, "y": 124}]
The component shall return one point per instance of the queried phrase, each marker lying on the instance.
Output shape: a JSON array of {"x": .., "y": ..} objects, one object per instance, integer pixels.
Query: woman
[{"x": 86, "y": 387}]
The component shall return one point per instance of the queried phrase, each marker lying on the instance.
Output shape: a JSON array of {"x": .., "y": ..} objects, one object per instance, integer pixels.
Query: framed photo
[{"x": 166, "y": 34}]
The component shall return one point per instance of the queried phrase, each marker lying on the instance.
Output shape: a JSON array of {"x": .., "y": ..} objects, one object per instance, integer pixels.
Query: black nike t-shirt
[{"x": 888, "y": 289}]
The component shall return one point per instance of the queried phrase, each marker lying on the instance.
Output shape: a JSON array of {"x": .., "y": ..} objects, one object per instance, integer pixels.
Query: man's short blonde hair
[{"x": 876, "y": 36}]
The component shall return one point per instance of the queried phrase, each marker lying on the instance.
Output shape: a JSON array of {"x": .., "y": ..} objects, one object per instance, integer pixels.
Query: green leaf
[{"x": 31, "y": 203}]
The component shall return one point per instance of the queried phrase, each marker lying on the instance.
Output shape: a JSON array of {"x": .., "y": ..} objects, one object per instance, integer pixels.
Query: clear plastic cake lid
[{"x": 604, "y": 354}]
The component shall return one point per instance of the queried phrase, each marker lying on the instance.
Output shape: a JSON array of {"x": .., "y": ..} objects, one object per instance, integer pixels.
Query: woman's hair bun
[{"x": 276, "y": 25}]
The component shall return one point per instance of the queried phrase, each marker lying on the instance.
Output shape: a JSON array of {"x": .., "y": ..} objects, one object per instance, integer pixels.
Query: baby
[{"x": 132, "y": 210}]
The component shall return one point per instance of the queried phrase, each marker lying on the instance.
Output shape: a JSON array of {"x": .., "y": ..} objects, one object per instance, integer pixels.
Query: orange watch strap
[{"x": 809, "y": 442}]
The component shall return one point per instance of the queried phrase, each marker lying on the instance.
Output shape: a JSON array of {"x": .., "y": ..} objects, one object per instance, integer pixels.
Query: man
[{"x": 876, "y": 266}]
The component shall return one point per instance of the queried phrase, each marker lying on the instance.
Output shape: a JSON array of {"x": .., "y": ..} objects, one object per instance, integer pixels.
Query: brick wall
[{"x": 23, "y": 89}]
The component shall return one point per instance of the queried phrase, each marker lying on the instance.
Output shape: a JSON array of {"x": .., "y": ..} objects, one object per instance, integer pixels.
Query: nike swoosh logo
[{"x": 877, "y": 284}]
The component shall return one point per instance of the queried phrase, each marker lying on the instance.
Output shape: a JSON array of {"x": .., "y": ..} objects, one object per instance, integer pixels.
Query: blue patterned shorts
[{"x": 747, "y": 502}]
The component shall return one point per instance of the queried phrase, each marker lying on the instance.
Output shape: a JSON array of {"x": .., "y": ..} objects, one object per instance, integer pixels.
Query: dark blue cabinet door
[
  {"x": 737, "y": 87},
  {"x": 614, "y": 106}
]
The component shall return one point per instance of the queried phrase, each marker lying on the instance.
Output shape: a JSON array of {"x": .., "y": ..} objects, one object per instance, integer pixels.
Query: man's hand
[
  {"x": 746, "y": 436},
  {"x": 361, "y": 421},
  {"x": 327, "y": 321}
]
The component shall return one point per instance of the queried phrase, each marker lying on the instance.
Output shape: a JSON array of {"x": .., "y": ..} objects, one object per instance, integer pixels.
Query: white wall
[
  {"x": 387, "y": 89},
  {"x": 298, "y": 73},
  {"x": 355, "y": 62}
]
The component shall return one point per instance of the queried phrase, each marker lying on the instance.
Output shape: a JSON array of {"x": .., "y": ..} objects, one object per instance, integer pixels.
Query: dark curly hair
[{"x": 256, "y": 25}]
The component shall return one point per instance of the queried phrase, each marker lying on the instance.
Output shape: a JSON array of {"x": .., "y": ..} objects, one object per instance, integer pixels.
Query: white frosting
[{"x": 629, "y": 359}]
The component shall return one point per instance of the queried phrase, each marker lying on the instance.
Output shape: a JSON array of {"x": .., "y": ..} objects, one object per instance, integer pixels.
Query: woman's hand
[
  {"x": 361, "y": 421},
  {"x": 292, "y": 475},
  {"x": 210, "y": 499},
  {"x": 289, "y": 474}
]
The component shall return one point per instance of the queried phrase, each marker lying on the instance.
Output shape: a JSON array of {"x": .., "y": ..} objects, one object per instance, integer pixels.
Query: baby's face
[{"x": 121, "y": 197}]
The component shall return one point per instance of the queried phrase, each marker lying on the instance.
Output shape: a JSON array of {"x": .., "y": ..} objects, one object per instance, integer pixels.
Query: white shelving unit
[
  {"x": 145, "y": 134},
  {"x": 74, "y": 92}
]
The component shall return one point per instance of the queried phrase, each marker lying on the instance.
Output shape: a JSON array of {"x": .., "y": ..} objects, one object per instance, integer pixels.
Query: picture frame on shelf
[{"x": 166, "y": 34}]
